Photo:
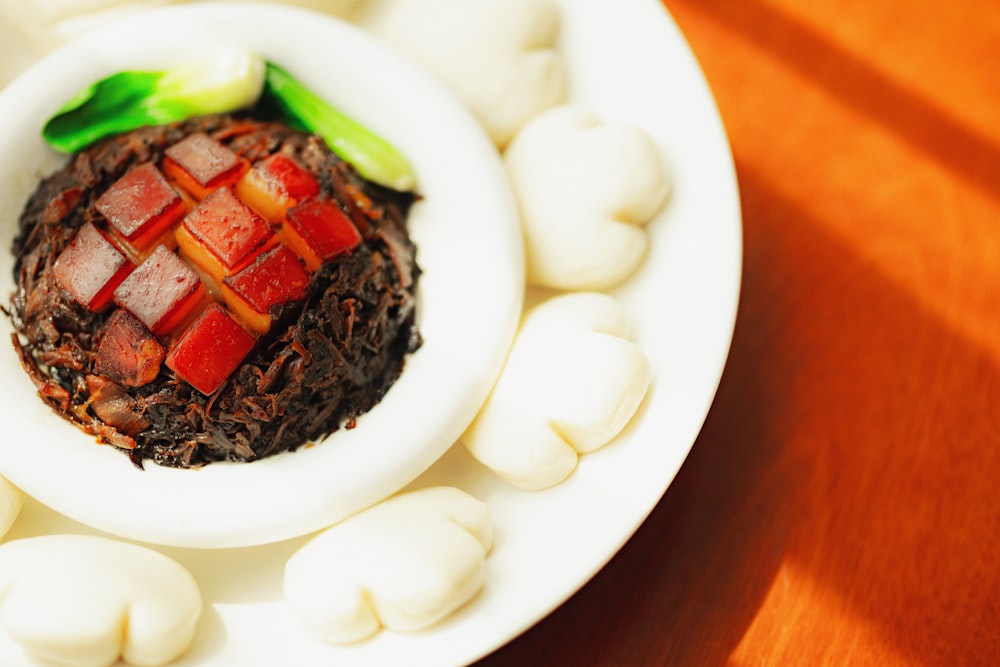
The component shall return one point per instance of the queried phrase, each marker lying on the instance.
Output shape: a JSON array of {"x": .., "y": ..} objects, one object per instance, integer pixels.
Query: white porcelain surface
[
  {"x": 469, "y": 300},
  {"x": 629, "y": 63}
]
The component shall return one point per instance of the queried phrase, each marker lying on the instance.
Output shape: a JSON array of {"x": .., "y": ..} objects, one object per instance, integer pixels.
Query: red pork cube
[
  {"x": 91, "y": 267},
  {"x": 274, "y": 278},
  {"x": 162, "y": 292},
  {"x": 318, "y": 230},
  {"x": 141, "y": 206},
  {"x": 200, "y": 164},
  {"x": 210, "y": 349},
  {"x": 128, "y": 352},
  {"x": 275, "y": 184},
  {"x": 221, "y": 233}
]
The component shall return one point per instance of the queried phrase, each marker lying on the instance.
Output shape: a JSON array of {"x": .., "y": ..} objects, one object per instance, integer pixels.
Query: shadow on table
[{"x": 858, "y": 82}]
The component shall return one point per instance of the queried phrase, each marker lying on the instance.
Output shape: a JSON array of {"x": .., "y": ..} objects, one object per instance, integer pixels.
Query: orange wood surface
[{"x": 842, "y": 503}]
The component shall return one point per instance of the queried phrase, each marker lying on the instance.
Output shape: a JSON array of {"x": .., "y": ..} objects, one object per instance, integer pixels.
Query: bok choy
[
  {"x": 372, "y": 156},
  {"x": 232, "y": 80},
  {"x": 126, "y": 100}
]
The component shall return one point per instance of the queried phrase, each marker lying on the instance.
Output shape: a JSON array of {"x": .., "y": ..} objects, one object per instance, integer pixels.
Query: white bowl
[{"x": 470, "y": 293}]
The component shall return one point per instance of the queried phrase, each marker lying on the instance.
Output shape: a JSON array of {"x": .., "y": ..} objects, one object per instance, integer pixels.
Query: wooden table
[{"x": 842, "y": 504}]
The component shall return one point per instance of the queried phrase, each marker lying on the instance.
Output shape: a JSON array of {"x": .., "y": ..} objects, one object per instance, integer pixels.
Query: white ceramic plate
[
  {"x": 629, "y": 63},
  {"x": 469, "y": 301}
]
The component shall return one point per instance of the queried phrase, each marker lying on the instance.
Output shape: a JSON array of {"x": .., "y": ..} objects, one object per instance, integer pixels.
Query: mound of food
[{"x": 221, "y": 288}]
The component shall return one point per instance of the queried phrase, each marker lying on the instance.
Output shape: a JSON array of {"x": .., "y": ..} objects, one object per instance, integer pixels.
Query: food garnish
[
  {"x": 373, "y": 157},
  {"x": 229, "y": 81}
]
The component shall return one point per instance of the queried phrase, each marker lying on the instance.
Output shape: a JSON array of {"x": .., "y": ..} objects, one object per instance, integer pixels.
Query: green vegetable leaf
[
  {"x": 373, "y": 157},
  {"x": 229, "y": 81},
  {"x": 131, "y": 99},
  {"x": 104, "y": 108}
]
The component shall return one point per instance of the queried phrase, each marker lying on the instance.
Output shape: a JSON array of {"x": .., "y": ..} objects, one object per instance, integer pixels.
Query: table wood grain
[{"x": 842, "y": 503}]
